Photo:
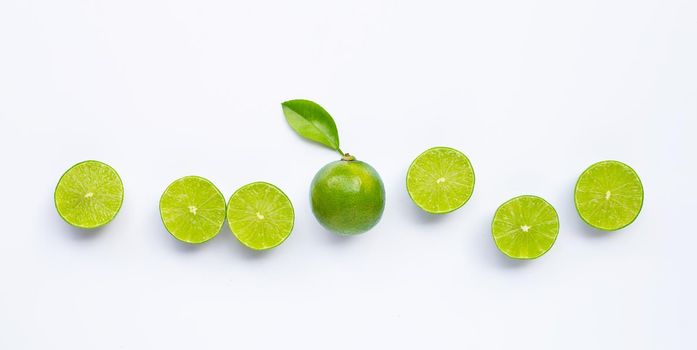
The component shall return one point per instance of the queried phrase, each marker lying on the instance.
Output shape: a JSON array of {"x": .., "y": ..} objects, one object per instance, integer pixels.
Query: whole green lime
[{"x": 348, "y": 196}]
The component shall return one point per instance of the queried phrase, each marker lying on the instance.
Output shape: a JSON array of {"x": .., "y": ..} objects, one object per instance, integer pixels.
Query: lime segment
[
  {"x": 609, "y": 195},
  {"x": 192, "y": 209},
  {"x": 525, "y": 227},
  {"x": 440, "y": 180},
  {"x": 260, "y": 215},
  {"x": 89, "y": 194}
]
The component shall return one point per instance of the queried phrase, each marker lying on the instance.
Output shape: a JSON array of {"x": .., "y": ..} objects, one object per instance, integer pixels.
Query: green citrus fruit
[
  {"x": 609, "y": 195},
  {"x": 260, "y": 215},
  {"x": 89, "y": 194},
  {"x": 347, "y": 196},
  {"x": 440, "y": 180},
  {"x": 192, "y": 209},
  {"x": 525, "y": 227}
]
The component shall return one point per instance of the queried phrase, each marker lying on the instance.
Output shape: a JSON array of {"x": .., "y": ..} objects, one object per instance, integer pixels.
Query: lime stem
[
  {"x": 340, "y": 151},
  {"x": 347, "y": 157}
]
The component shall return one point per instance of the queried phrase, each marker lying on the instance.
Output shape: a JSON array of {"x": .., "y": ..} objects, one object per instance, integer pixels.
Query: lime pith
[
  {"x": 89, "y": 194},
  {"x": 440, "y": 180},
  {"x": 192, "y": 209},
  {"x": 260, "y": 215},
  {"x": 525, "y": 227},
  {"x": 609, "y": 195}
]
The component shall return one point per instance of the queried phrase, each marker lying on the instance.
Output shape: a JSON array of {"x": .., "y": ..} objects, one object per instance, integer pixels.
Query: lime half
[
  {"x": 609, "y": 195},
  {"x": 260, "y": 215},
  {"x": 192, "y": 209},
  {"x": 525, "y": 227},
  {"x": 440, "y": 180},
  {"x": 89, "y": 194}
]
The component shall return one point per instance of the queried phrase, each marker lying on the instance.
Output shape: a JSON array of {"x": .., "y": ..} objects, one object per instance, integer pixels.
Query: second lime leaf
[{"x": 312, "y": 122}]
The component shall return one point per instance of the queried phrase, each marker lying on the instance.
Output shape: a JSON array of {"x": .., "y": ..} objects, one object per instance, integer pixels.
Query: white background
[{"x": 532, "y": 91}]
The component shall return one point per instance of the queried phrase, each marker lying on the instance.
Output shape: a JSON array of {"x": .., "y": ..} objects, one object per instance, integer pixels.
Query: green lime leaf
[{"x": 312, "y": 122}]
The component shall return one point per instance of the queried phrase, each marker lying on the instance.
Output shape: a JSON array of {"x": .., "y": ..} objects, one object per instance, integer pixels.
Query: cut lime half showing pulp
[
  {"x": 260, "y": 215},
  {"x": 525, "y": 227},
  {"x": 89, "y": 194},
  {"x": 192, "y": 209},
  {"x": 440, "y": 180},
  {"x": 609, "y": 195}
]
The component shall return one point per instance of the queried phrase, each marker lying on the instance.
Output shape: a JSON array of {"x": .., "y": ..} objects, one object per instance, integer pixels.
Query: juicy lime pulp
[
  {"x": 609, "y": 195},
  {"x": 347, "y": 197},
  {"x": 440, "y": 180},
  {"x": 260, "y": 215},
  {"x": 192, "y": 209},
  {"x": 525, "y": 227},
  {"x": 89, "y": 194}
]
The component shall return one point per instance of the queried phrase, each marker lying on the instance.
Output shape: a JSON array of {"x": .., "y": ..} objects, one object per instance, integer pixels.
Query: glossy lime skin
[{"x": 347, "y": 197}]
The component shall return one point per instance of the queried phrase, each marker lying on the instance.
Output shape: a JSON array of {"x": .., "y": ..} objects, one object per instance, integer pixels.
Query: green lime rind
[
  {"x": 609, "y": 195},
  {"x": 192, "y": 209},
  {"x": 89, "y": 194},
  {"x": 440, "y": 180},
  {"x": 347, "y": 197},
  {"x": 260, "y": 215},
  {"x": 525, "y": 227}
]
